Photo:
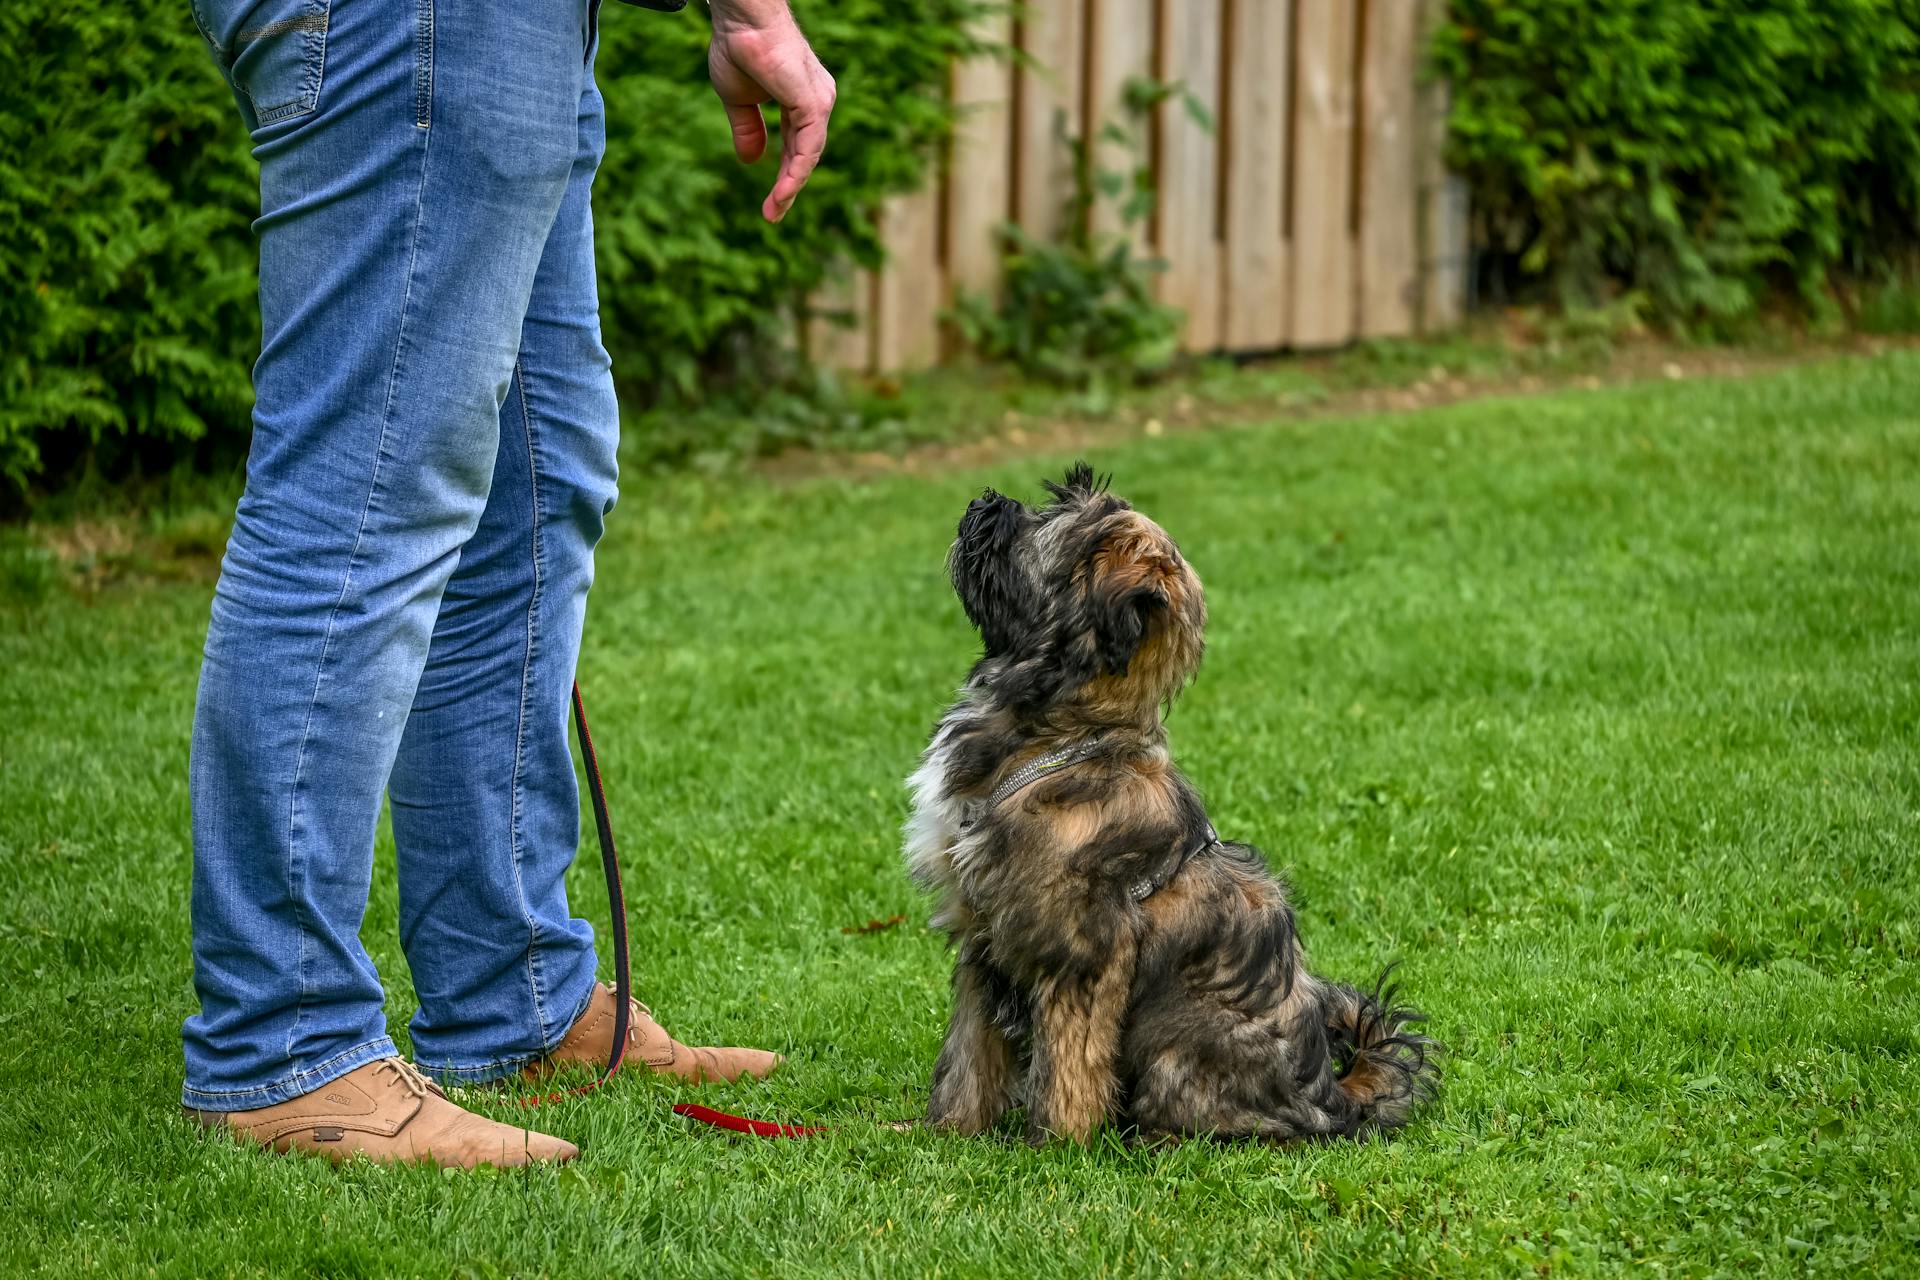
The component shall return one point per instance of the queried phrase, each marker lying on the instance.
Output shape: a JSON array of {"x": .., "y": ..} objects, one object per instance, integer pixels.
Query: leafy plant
[
  {"x": 1081, "y": 312},
  {"x": 1890, "y": 304},
  {"x": 126, "y": 270},
  {"x": 1696, "y": 150},
  {"x": 28, "y": 572}
]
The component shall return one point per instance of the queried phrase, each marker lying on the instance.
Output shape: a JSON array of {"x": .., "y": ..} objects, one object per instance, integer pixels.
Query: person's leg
[
  {"x": 412, "y": 161},
  {"x": 486, "y": 813}
]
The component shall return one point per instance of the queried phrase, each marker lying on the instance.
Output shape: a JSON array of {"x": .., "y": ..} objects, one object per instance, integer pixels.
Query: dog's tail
[{"x": 1382, "y": 1069}]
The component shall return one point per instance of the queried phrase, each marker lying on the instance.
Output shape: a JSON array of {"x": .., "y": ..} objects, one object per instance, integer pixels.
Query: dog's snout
[
  {"x": 988, "y": 523},
  {"x": 989, "y": 501}
]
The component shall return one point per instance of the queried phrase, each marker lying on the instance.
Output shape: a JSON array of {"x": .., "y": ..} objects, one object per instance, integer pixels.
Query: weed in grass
[
  {"x": 1891, "y": 306},
  {"x": 29, "y": 572}
]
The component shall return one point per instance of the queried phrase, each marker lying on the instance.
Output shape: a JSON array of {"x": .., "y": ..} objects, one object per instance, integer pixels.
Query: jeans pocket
[
  {"x": 593, "y": 29},
  {"x": 273, "y": 51}
]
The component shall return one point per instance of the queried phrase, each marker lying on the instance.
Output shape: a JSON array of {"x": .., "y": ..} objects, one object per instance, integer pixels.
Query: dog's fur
[{"x": 1185, "y": 1011}]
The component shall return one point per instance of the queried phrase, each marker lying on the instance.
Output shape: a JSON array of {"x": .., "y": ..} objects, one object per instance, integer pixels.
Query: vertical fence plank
[
  {"x": 979, "y": 179},
  {"x": 1443, "y": 225},
  {"x": 1190, "y": 170},
  {"x": 1447, "y": 258},
  {"x": 1259, "y": 73},
  {"x": 1120, "y": 48},
  {"x": 832, "y": 342},
  {"x": 907, "y": 299},
  {"x": 1051, "y": 35},
  {"x": 1323, "y": 267},
  {"x": 1389, "y": 256}
]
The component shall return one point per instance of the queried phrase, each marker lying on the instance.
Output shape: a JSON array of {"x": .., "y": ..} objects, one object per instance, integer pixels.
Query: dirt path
[{"x": 1020, "y": 435}]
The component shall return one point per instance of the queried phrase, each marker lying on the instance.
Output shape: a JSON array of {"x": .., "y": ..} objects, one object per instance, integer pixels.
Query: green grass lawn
[{"x": 1596, "y": 710}]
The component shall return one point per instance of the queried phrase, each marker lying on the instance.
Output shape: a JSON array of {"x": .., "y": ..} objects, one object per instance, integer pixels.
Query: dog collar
[
  {"x": 1040, "y": 766},
  {"x": 1031, "y": 772}
]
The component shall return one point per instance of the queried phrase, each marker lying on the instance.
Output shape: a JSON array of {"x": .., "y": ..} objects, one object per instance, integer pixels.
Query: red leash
[
  {"x": 740, "y": 1124},
  {"x": 623, "y": 964}
]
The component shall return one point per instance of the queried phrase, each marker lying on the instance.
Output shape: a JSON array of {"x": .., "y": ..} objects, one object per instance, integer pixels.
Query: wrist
[{"x": 749, "y": 15}]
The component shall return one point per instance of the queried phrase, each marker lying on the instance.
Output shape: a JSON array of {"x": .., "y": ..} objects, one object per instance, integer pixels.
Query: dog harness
[
  {"x": 1147, "y": 886},
  {"x": 1054, "y": 761}
]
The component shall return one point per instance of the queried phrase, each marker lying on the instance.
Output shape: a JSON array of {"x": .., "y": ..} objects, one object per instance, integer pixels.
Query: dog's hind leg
[{"x": 974, "y": 1079}]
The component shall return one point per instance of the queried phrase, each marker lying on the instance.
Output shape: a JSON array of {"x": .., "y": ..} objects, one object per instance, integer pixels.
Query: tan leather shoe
[
  {"x": 591, "y": 1041},
  {"x": 390, "y": 1113}
]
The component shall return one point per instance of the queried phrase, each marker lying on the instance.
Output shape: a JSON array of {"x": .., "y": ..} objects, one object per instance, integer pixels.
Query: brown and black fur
[{"x": 1189, "y": 1011}]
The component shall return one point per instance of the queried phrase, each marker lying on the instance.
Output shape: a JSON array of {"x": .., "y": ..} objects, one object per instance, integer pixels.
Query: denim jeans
[{"x": 400, "y": 605}]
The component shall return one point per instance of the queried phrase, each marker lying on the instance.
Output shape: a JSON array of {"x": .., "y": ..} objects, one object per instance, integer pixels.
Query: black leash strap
[
  {"x": 622, "y": 964},
  {"x": 616, "y": 900}
]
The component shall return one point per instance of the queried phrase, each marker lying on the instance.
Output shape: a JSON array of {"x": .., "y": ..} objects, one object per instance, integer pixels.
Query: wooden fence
[{"x": 1314, "y": 211}]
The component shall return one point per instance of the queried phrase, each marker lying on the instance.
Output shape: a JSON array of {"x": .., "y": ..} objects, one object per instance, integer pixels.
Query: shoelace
[
  {"x": 636, "y": 1011},
  {"x": 409, "y": 1076}
]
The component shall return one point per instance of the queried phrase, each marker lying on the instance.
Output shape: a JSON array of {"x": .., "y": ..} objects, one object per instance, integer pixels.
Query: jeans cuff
[
  {"x": 585, "y": 1002},
  {"x": 297, "y": 1085},
  {"x": 456, "y": 1073},
  {"x": 447, "y": 1073}
]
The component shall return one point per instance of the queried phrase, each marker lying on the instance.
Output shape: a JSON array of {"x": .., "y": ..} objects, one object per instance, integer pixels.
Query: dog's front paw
[
  {"x": 1041, "y": 1132},
  {"x": 970, "y": 1091},
  {"x": 969, "y": 1122}
]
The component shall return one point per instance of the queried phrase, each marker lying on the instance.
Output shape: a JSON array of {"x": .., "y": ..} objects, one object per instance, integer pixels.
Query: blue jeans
[{"x": 400, "y": 605}]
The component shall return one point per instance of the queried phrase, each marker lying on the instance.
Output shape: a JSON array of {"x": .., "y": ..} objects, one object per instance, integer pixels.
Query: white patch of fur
[
  {"x": 936, "y": 852},
  {"x": 934, "y": 824}
]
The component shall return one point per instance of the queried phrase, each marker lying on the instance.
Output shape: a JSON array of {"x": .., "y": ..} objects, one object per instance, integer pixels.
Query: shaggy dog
[{"x": 1117, "y": 960}]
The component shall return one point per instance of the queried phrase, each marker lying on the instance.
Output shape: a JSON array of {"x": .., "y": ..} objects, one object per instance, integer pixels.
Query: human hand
[{"x": 758, "y": 55}]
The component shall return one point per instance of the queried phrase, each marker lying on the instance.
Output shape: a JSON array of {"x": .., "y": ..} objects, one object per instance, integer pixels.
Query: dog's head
[{"x": 1083, "y": 598}]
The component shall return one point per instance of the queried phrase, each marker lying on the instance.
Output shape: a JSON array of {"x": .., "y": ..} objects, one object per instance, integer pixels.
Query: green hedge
[
  {"x": 126, "y": 265},
  {"x": 127, "y": 320},
  {"x": 1697, "y": 151}
]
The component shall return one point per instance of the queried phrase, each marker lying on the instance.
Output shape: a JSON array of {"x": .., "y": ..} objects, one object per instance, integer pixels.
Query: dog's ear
[
  {"x": 986, "y": 576},
  {"x": 1121, "y": 614}
]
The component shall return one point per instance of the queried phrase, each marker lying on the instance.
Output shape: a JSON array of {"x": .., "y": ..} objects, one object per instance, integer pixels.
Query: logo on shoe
[
  {"x": 339, "y": 1099},
  {"x": 329, "y": 1135}
]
